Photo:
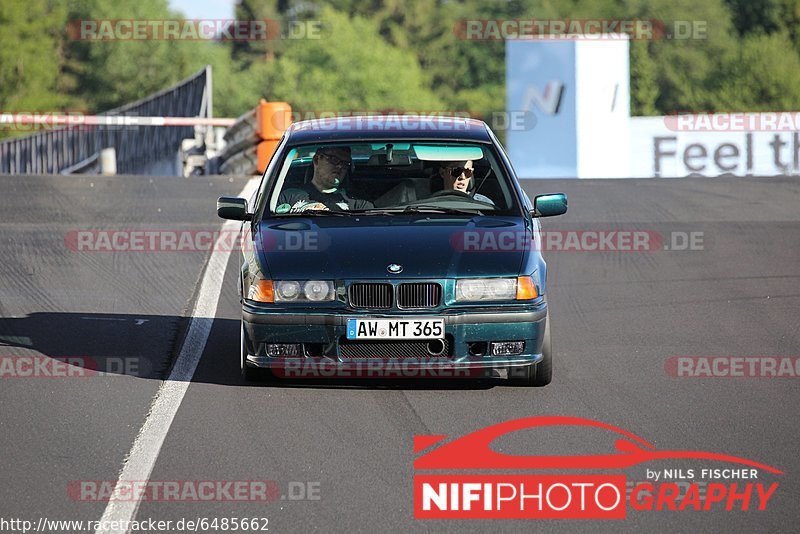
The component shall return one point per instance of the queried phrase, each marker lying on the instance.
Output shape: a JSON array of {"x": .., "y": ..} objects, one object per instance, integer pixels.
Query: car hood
[{"x": 363, "y": 247}]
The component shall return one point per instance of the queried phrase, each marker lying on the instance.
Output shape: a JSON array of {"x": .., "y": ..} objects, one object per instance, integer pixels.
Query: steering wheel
[{"x": 450, "y": 192}]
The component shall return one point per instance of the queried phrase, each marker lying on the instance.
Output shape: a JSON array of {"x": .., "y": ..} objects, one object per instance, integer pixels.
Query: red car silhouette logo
[{"x": 473, "y": 451}]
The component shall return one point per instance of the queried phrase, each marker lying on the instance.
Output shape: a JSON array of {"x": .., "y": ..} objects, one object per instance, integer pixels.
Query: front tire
[{"x": 537, "y": 374}]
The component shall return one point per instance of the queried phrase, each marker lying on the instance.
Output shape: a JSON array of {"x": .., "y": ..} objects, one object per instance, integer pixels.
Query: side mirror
[
  {"x": 233, "y": 208},
  {"x": 549, "y": 205}
]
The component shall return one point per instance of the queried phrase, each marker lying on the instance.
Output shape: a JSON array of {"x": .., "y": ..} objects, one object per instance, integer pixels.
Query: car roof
[{"x": 359, "y": 128}]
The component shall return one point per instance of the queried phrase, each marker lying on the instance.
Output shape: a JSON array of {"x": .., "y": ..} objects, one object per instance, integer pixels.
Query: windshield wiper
[
  {"x": 421, "y": 209},
  {"x": 311, "y": 213},
  {"x": 438, "y": 209}
]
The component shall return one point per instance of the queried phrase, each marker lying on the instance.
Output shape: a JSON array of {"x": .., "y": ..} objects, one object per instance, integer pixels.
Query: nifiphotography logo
[{"x": 470, "y": 480}]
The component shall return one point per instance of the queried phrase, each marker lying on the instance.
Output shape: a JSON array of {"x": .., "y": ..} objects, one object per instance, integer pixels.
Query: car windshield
[{"x": 391, "y": 177}]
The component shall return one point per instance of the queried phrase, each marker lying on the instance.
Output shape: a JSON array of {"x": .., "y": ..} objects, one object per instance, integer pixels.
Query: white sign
[
  {"x": 660, "y": 148},
  {"x": 578, "y": 91}
]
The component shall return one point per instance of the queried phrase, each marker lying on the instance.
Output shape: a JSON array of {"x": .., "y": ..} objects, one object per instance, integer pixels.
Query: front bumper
[{"x": 323, "y": 334}]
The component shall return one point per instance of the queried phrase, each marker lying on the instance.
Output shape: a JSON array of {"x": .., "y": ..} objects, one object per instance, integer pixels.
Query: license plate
[{"x": 401, "y": 328}]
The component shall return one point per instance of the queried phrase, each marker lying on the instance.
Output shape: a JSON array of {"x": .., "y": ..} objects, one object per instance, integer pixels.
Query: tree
[
  {"x": 251, "y": 52},
  {"x": 765, "y": 76},
  {"x": 645, "y": 89},
  {"x": 110, "y": 73},
  {"x": 30, "y": 55},
  {"x": 755, "y": 16},
  {"x": 350, "y": 67}
]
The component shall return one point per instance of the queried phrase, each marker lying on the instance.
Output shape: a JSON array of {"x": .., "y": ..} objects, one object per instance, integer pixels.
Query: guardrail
[
  {"x": 253, "y": 138},
  {"x": 52, "y": 151},
  {"x": 91, "y": 165}
]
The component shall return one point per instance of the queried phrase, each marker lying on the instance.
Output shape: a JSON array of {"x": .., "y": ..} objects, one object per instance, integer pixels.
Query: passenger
[
  {"x": 457, "y": 176},
  {"x": 324, "y": 192}
]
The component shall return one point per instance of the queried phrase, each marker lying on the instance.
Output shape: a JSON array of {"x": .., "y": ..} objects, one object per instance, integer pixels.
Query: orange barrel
[
  {"x": 272, "y": 119},
  {"x": 264, "y": 152}
]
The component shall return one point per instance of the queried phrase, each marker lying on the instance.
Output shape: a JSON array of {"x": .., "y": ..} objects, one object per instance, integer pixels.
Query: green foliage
[
  {"x": 349, "y": 68},
  {"x": 114, "y": 72},
  {"x": 755, "y": 16},
  {"x": 30, "y": 55},
  {"x": 763, "y": 77},
  {"x": 644, "y": 80},
  {"x": 688, "y": 71}
]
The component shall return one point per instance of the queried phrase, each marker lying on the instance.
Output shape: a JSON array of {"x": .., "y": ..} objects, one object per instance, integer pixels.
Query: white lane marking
[
  {"x": 138, "y": 465},
  {"x": 138, "y": 322}
]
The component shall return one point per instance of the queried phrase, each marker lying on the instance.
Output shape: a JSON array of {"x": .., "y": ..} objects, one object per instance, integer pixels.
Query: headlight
[
  {"x": 291, "y": 291},
  {"x": 287, "y": 290},
  {"x": 476, "y": 289},
  {"x": 482, "y": 289},
  {"x": 317, "y": 290}
]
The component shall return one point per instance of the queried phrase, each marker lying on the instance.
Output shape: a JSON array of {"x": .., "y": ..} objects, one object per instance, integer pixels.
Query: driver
[
  {"x": 324, "y": 192},
  {"x": 457, "y": 176}
]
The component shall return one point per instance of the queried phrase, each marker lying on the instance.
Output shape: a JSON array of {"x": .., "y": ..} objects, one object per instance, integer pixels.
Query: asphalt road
[{"x": 617, "y": 318}]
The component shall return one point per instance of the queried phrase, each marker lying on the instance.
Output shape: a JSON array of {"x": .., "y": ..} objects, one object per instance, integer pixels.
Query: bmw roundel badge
[{"x": 394, "y": 268}]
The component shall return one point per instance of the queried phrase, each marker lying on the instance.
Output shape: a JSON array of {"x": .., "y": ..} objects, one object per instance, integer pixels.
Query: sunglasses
[
  {"x": 456, "y": 172},
  {"x": 338, "y": 162}
]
